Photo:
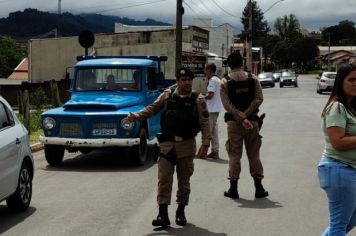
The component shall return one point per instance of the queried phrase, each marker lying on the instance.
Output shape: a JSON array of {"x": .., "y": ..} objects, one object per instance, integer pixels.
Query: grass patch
[
  {"x": 34, "y": 136},
  {"x": 316, "y": 72}
]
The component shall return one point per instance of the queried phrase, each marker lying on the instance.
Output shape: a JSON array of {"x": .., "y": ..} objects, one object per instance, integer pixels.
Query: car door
[{"x": 9, "y": 150}]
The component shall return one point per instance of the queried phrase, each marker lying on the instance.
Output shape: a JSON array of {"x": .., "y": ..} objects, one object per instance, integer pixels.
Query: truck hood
[{"x": 109, "y": 101}]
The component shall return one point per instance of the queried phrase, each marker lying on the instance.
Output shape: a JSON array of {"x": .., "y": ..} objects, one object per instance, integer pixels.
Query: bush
[
  {"x": 35, "y": 121},
  {"x": 39, "y": 99}
]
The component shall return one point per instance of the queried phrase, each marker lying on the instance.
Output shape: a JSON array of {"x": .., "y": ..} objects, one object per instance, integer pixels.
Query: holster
[
  {"x": 169, "y": 157},
  {"x": 258, "y": 119},
  {"x": 228, "y": 117},
  {"x": 161, "y": 138}
]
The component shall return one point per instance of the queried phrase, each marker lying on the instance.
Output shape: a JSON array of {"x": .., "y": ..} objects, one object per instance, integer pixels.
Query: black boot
[
  {"x": 162, "y": 218},
  {"x": 232, "y": 192},
  {"x": 260, "y": 191},
  {"x": 180, "y": 216}
]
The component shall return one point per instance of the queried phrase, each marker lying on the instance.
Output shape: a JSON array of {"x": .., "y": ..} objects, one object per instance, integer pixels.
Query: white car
[
  {"x": 16, "y": 161},
  {"x": 326, "y": 82},
  {"x": 266, "y": 79}
]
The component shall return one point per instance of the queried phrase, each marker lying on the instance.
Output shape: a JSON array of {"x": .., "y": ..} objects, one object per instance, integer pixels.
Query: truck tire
[
  {"x": 20, "y": 200},
  {"x": 54, "y": 154},
  {"x": 85, "y": 150},
  {"x": 139, "y": 152}
]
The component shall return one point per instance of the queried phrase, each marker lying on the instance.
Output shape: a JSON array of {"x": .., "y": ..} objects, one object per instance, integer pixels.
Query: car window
[
  {"x": 330, "y": 76},
  {"x": 287, "y": 74},
  {"x": 96, "y": 79},
  {"x": 4, "y": 119}
]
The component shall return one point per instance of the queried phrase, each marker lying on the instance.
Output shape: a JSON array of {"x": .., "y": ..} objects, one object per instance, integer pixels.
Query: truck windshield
[{"x": 114, "y": 79}]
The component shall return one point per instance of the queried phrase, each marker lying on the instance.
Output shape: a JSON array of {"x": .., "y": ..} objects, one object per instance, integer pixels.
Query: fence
[{"x": 20, "y": 95}]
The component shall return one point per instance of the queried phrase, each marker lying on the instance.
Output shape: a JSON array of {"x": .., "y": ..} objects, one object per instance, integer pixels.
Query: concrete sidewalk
[{"x": 36, "y": 147}]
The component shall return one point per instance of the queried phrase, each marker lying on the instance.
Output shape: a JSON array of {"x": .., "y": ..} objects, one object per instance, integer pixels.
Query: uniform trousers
[
  {"x": 183, "y": 154},
  {"x": 237, "y": 136}
]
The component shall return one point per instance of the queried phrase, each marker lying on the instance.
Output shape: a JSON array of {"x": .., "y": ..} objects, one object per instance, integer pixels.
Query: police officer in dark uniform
[
  {"x": 184, "y": 114},
  {"x": 241, "y": 96}
]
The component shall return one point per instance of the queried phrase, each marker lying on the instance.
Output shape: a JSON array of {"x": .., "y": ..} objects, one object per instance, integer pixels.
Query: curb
[{"x": 36, "y": 147}]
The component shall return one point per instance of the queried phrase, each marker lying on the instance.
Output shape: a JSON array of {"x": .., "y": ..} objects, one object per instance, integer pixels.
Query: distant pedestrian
[
  {"x": 241, "y": 95},
  {"x": 337, "y": 166},
  {"x": 213, "y": 102}
]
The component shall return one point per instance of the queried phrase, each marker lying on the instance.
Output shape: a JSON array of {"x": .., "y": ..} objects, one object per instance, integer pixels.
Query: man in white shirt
[{"x": 213, "y": 102}]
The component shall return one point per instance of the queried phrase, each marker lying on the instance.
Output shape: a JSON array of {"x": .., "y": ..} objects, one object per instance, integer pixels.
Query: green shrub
[{"x": 39, "y": 99}]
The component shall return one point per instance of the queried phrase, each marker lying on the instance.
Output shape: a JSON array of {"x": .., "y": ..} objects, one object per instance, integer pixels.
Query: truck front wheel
[
  {"x": 54, "y": 154},
  {"x": 139, "y": 152}
]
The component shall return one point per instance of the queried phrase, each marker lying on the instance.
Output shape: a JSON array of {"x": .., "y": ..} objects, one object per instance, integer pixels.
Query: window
[
  {"x": 4, "y": 120},
  {"x": 97, "y": 79}
]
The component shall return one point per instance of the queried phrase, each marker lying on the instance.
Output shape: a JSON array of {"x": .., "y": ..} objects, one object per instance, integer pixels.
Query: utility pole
[
  {"x": 222, "y": 50},
  {"x": 249, "y": 38},
  {"x": 179, "y": 13},
  {"x": 329, "y": 51},
  {"x": 58, "y": 30},
  {"x": 261, "y": 58}
]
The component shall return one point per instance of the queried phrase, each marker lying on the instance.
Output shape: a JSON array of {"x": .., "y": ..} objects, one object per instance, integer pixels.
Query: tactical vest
[
  {"x": 178, "y": 119},
  {"x": 241, "y": 93}
]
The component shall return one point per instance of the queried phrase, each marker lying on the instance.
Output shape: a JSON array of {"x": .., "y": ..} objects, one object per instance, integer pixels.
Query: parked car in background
[
  {"x": 288, "y": 78},
  {"x": 16, "y": 161},
  {"x": 325, "y": 82},
  {"x": 277, "y": 76},
  {"x": 266, "y": 79}
]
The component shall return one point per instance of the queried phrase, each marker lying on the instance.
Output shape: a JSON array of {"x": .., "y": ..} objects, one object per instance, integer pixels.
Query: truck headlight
[
  {"x": 49, "y": 123},
  {"x": 126, "y": 124}
]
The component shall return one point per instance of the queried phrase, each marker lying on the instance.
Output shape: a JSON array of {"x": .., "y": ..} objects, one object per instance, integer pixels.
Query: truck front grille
[
  {"x": 73, "y": 130},
  {"x": 107, "y": 125}
]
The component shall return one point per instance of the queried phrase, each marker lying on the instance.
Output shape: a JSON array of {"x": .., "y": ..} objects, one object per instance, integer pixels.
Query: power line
[
  {"x": 134, "y": 5},
  {"x": 230, "y": 14},
  {"x": 124, "y": 5},
  {"x": 203, "y": 15}
]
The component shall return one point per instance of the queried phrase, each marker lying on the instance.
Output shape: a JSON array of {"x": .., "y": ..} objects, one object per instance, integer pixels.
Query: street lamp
[
  {"x": 249, "y": 42},
  {"x": 250, "y": 31}
]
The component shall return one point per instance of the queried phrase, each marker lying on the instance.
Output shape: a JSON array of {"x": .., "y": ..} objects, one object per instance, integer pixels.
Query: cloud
[{"x": 311, "y": 14}]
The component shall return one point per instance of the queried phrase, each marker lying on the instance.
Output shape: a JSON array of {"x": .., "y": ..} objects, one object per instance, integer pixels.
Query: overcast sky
[{"x": 312, "y": 14}]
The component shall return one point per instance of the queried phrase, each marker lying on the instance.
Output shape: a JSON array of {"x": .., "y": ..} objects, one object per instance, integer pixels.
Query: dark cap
[
  {"x": 184, "y": 72},
  {"x": 234, "y": 60}
]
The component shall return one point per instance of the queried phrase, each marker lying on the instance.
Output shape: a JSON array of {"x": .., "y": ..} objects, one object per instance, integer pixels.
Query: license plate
[{"x": 104, "y": 131}]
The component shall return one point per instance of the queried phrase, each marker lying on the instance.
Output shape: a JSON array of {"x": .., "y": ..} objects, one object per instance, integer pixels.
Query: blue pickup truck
[{"x": 103, "y": 91}]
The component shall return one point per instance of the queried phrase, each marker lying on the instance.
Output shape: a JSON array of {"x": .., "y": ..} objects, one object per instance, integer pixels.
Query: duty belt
[{"x": 164, "y": 138}]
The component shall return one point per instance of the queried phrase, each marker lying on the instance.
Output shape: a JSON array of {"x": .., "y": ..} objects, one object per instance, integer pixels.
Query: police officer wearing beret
[
  {"x": 241, "y": 96},
  {"x": 184, "y": 114}
]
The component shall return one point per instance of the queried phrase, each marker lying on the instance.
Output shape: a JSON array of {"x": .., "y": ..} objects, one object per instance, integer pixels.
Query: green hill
[{"x": 32, "y": 23}]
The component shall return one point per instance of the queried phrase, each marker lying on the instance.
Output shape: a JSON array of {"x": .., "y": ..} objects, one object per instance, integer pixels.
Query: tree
[
  {"x": 10, "y": 56},
  {"x": 287, "y": 27},
  {"x": 259, "y": 26},
  {"x": 305, "y": 52},
  {"x": 342, "y": 34}
]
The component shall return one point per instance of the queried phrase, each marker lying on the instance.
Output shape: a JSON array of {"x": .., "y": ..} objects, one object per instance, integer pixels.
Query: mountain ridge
[{"x": 32, "y": 23}]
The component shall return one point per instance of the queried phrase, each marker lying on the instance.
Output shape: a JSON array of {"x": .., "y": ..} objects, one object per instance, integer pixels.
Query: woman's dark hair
[{"x": 338, "y": 93}]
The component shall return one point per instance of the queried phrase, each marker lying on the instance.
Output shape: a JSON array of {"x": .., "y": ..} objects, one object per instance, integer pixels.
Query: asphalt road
[{"x": 101, "y": 194}]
